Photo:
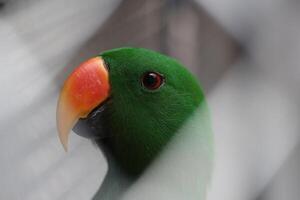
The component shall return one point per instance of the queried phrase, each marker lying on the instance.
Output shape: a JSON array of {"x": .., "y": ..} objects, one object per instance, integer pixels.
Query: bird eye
[{"x": 152, "y": 80}]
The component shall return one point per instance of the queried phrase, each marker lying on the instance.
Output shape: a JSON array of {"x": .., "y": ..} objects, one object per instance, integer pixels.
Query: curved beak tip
[
  {"x": 63, "y": 137},
  {"x": 65, "y": 144}
]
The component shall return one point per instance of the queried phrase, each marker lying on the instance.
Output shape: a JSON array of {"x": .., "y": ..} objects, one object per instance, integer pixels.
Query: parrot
[{"x": 148, "y": 115}]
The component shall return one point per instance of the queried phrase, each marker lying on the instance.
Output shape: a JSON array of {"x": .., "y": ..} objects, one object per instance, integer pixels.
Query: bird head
[{"x": 133, "y": 99}]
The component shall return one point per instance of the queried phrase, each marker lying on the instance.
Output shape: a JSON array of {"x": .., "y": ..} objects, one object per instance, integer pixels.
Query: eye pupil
[{"x": 152, "y": 80}]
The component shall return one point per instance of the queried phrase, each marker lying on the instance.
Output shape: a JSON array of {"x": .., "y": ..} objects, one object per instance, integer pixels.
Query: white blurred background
[{"x": 246, "y": 54}]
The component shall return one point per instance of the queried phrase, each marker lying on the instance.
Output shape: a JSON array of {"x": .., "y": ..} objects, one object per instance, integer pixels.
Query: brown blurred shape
[{"x": 181, "y": 29}]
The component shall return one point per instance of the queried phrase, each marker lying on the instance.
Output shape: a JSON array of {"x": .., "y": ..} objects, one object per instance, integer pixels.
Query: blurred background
[{"x": 245, "y": 53}]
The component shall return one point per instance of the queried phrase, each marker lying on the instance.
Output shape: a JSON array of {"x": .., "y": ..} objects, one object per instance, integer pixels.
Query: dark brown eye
[{"x": 152, "y": 80}]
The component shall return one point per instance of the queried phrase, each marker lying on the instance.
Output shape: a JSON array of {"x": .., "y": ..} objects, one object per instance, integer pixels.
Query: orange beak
[{"x": 85, "y": 89}]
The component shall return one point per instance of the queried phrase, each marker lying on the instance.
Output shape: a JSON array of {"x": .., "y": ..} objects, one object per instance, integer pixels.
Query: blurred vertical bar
[{"x": 196, "y": 39}]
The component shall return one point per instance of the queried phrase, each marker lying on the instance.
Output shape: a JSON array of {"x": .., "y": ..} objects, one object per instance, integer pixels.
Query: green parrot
[{"x": 149, "y": 116}]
